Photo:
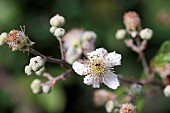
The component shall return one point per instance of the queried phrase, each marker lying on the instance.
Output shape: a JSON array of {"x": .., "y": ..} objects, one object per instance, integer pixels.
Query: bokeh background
[{"x": 102, "y": 16}]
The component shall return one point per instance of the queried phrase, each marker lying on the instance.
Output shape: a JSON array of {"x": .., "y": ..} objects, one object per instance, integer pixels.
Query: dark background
[{"x": 102, "y": 16}]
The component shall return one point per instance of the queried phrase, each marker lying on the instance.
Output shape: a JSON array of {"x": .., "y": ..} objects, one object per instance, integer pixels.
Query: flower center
[
  {"x": 75, "y": 43},
  {"x": 97, "y": 68}
]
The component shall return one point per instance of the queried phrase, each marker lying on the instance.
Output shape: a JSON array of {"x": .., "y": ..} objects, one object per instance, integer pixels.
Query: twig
[{"x": 61, "y": 49}]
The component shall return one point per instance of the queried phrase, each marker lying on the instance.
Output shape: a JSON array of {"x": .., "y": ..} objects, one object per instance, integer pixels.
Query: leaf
[
  {"x": 165, "y": 47},
  {"x": 139, "y": 104}
]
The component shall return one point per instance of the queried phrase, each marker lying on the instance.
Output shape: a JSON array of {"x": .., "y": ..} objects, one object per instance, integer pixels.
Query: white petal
[
  {"x": 72, "y": 55},
  {"x": 97, "y": 54},
  {"x": 88, "y": 79},
  {"x": 113, "y": 59},
  {"x": 111, "y": 80},
  {"x": 96, "y": 82},
  {"x": 80, "y": 68}
]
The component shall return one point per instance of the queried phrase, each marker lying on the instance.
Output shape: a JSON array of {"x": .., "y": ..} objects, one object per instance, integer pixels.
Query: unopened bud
[
  {"x": 28, "y": 70},
  {"x": 36, "y": 86},
  {"x": 120, "y": 34},
  {"x": 146, "y": 34},
  {"x": 109, "y": 106},
  {"x": 3, "y": 37},
  {"x": 46, "y": 88},
  {"x": 59, "y": 32},
  {"x": 36, "y": 63},
  {"x": 40, "y": 72},
  {"x": 57, "y": 21},
  {"x": 136, "y": 89},
  {"x": 167, "y": 91},
  {"x": 52, "y": 29}
]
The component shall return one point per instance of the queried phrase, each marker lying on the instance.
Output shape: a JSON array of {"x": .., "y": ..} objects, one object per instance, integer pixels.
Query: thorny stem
[
  {"x": 60, "y": 77},
  {"x": 49, "y": 59}
]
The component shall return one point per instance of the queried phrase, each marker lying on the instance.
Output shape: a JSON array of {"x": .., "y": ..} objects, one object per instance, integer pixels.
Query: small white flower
[
  {"x": 52, "y": 29},
  {"x": 59, "y": 32},
  {"x": 36, "y": 86},
  {"x": 98, "y": 68},
  {"x": 57, "y": 21},
  {"x": 28, "y": 70},
  {"x": 36, "y": 63},
  {"x": 120, "y": 34},
  {"x": 146, "y": 34},
  {"x": 39, "y": 72},
  {"x": 109, "y": 106},
  {"x": 46, "y": 88},
  {"x": 127, "y": 108},
  {"x": 136, "y": 89},
  {"x": 167, "y": 91},
  {"x": 3, "y": 37}
]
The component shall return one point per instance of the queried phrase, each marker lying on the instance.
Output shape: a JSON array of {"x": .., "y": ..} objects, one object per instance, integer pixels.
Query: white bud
[
  {"x": 52, "y": 29},
  {"x": 109, "y": 106},
  {"x": 133, "y": 34},
  {"x": 46, "y": 88},
  {"x": 136, "y": 89},
  {"x": 120, "y": 34},
  {"x": 57, "y": 21},
  {"x": 36, "y": 63},
  {"x": 146, "y": 34},
  {"x": 36, "y": 86},
  {"x": 59, "y": 32},
  {"x": 3, "y": 37},
  {"x": 89, "y": 36},
  {"x": 167, "y": 91},
  {"x": 28, "y": 70},
  {"x": 40, "y": 71}
]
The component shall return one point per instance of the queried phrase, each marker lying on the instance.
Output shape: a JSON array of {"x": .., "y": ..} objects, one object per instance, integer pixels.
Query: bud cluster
[
  {"x": 56, "y": 23},
  {"x": 132, "y": 23}
]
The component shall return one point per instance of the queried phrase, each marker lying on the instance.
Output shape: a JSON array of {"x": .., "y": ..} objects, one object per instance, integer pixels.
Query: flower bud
[
  {"x": 89, "y": 36},
  {"x": 36, "y": 86},
  {"x": 36, "y": 63},
  {"x": 120, "y": 34},
  {"x": 52, "y": 29},
  {"x": 28, "y": 70},
  {"x": 59, "y": 32},
  {"x": 109, "y": 106},
  {"x": 3, "y": 37},
  {"x": 127, "y": 108},
  {"x": 136, "y": 89},
  {"x": 40, "y": 71},
  {"x": 146, "y": 34},
  {"x": 46, "y": 88},
  {"x": 167, "y": 91},
  {"x": 57, "y": 21}
]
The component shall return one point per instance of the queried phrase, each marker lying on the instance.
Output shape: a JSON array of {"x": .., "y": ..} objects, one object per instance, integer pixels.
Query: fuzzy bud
[
  {"x": 46, "y": 88},
  {"x": 40, "y": 72},
  {"x": 127, "y": 108},
  {"x": 109, "y": 106},
  {"x": 28, "y": 70},
  {"x": 167, "y": 91},
  {"x": 52, "y": 29},
  {"x": 3, "y": 37},
  {"x": 36, "y": 63},
  {"x": 146, "y": 34},
  {"x": 36, "y": 86},
  {"x": 57, "y": 21},
  {"x": 120, "y": 34},
  {"x": 136, "y": 89},
  {"x": 59, "y": 32}
]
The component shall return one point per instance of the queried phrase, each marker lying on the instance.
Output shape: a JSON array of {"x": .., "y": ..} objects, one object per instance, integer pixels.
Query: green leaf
[
  {"x": 165, "y": 47},
  {"x": 139, "y": 104}
]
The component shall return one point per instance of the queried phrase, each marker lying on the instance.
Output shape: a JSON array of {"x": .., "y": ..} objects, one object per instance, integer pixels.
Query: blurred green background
[{"x": 102, "y": 16}]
